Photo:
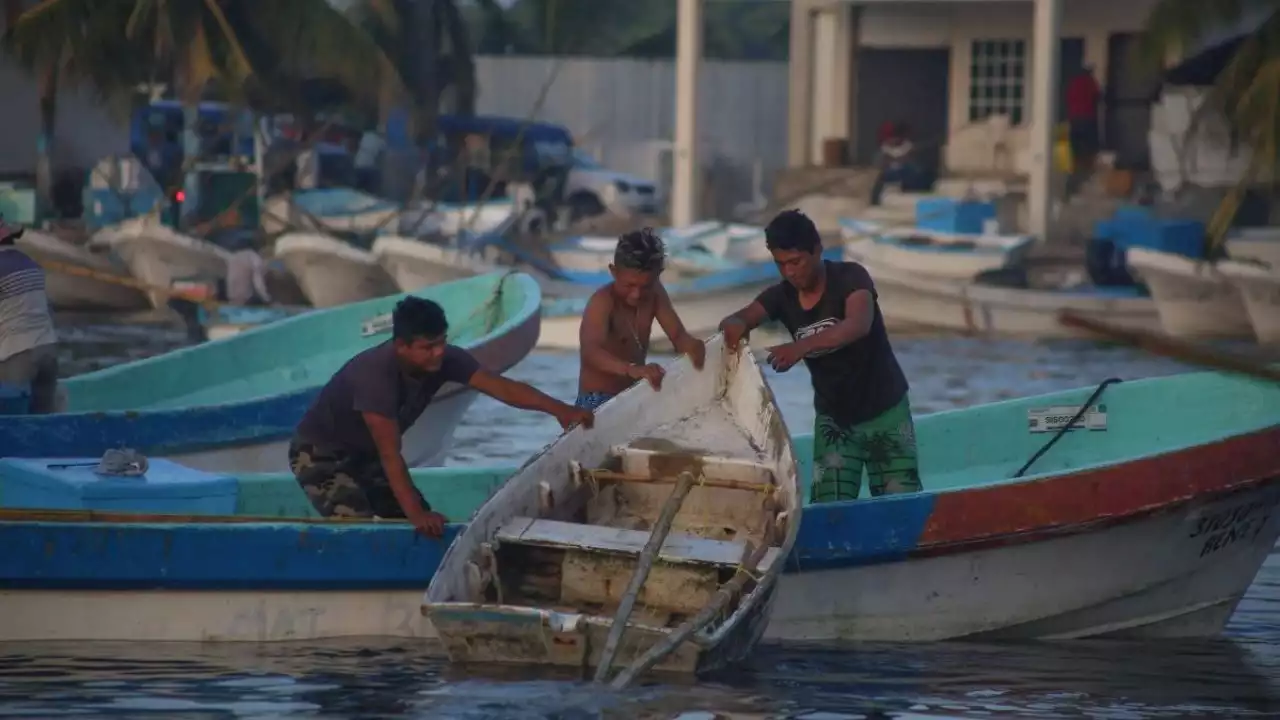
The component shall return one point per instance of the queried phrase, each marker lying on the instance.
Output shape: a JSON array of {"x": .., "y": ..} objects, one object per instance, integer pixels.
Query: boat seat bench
[{"x": 678, "y": 548}]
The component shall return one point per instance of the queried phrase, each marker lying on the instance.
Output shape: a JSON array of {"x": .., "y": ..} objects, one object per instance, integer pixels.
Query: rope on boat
[
  {"x": 124, "y": 462},
  {"x": 1065, "y": 428}
]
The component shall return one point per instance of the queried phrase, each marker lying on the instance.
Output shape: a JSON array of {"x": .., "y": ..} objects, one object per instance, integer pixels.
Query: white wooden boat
[
  {"x": 1259, "y": 287},
  {"x": 452, "y": 219},
  {"x": 332, "y": 272},
  {"x": 908, "y": 298},
  {"x": 958, "y": 256},
  {"x": 157, "y": 255},
  {"x": 1194, "y": 299},
  {"x": 538, "y": 575},
  {"x": 76, "y": 291}
]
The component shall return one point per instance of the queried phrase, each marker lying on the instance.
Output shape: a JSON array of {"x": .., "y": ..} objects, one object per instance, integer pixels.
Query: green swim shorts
[{"x": 884, "y": 446}]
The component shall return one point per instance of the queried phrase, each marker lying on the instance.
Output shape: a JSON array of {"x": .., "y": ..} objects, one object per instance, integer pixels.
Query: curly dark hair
[{"x": 641, "y": 250}]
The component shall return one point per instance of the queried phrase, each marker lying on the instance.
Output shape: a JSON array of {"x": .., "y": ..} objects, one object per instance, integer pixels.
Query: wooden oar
[
  {"x": 1165, "y": 346},
  {"x": 661, "y": 529},
  {"x": 723, "y": 596}
]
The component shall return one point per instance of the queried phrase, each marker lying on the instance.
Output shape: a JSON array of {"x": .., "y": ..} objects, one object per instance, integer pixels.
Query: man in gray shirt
[
  {"x": 28, "y": 343},
  {"x": 346, "y": 453}
]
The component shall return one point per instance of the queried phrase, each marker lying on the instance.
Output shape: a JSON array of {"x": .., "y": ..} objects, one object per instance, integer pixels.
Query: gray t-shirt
[{"x": 373, "y": 381}]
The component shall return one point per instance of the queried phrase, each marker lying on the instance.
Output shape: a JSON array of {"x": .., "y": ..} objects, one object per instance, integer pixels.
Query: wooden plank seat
[
  {"x": 740, "y": 473},
  {"x": 678, "y": 548}
]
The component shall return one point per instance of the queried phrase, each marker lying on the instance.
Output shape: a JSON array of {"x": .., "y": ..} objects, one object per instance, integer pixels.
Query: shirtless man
[{"x": 614, "y": 337}]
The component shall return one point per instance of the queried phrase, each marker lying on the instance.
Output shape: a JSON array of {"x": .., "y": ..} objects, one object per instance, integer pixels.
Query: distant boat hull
[
  {"x": 1259, "y": 288},
  {"x": 157, "y": 255},
  {"x": 950, "y": 256},
  {"x": 332, "y": 272},
  {"x": 414, "y": 264},
  {"x": 78, "y": 292},
  {"x": 909, "y": 299},
  {"x": 1193, "y": 298}
]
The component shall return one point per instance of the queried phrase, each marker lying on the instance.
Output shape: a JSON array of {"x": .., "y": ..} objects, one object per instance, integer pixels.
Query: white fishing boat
[
  {"x": 453, "y": 219},
  {"x": 1260, "y": 244},
  {"x": 333, "y": 272},
  {"x": 956, "y": 256},
  {"x": 414, "y": 264},
  {"x": 157, "y": 255},
  {"x": 70, "y": 290},
  {"x": 908, "y": 298},
  {"x": 1259, "y": 287},
  {"x": 339, "y": 209},
  {"x": 1193, "y": 297},
  {"x": 541, "y": 574}
]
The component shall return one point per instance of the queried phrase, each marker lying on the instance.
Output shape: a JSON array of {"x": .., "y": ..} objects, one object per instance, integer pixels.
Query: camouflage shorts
[{"x": 343, "y": 485}]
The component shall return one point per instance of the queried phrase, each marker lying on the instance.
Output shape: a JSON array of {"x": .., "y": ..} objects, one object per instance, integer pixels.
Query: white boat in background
[
  {"x": 75, "y": 291},
  {"x": 415, "y": 264},
  {"x": 908, "y": 298},
  {"x": 1259, "y": 287},
  {"x": 736, "y": 242},
  {"x": 157, "y": 255},
  {"x": 453, "y": 219},
  {"x": 1260, "y": 244},
  {"x": 567, "y": 538},
  {"x": 332, "y": 272},
  {"x": 342, "y": 210},
  {"x": 958, "y": 256},
  {"x": 1194, "y": 298}
]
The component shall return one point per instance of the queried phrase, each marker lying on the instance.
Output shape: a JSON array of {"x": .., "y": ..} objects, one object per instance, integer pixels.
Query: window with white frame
[{"x": 997, "y": 80}]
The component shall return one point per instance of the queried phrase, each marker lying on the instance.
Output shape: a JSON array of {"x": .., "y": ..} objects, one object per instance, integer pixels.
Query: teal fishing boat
[
  {"x": 232, "y": 404},
  {"x": 1148, "y": 518}
]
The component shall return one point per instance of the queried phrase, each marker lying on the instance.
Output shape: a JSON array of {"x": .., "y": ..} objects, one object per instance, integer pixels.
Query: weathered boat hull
[
  {"x": 731, "y": 419},
  {"x": 1193, "y": 298}
]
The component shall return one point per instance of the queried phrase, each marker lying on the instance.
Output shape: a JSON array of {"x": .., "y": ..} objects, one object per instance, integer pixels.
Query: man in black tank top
[{"x": 863, "y": 417}]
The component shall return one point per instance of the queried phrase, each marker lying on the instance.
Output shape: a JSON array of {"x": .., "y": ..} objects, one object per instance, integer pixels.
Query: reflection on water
[{"x": 1238, "y": 676}]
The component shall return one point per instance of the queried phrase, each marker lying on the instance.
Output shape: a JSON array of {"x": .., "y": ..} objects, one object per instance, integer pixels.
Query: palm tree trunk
[{"x": 45, "y": 142}]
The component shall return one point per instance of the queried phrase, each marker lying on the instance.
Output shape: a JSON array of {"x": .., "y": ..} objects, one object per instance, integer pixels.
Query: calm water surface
[{"x": 1236, "y": 676}]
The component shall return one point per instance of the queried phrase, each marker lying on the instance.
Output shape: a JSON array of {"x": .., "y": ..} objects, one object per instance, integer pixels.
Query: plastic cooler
[{"x": 167, "y": 488}]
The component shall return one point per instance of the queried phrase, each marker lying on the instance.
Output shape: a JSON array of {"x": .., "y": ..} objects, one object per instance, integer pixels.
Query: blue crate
[
  {"x": 944, "y": 214},
  {"x": 1135, "y": 226}
]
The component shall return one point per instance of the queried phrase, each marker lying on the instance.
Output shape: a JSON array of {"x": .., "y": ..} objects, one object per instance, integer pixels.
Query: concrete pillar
[
  {"x": 800, "y": 85},
  {"x": 835, "y": 75},
  {"x": 1046, "y": 30},
  {"x": 684, "y": 185}
]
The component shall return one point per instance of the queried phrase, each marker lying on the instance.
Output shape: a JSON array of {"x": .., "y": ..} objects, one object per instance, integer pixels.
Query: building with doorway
[{"x": 962, "y": 74}]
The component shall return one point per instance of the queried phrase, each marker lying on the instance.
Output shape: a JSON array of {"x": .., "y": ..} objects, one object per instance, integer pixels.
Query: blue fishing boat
[
  {"x": 232, "y": 404},
  {"x": 1149, "y": 518}
]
